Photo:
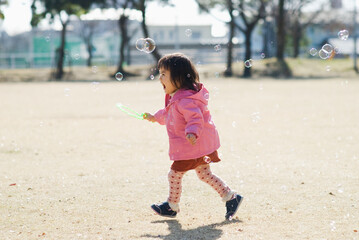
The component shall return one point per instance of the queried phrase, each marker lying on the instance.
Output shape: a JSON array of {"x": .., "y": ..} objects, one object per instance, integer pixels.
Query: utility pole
[{"x": 355, "y": 36}]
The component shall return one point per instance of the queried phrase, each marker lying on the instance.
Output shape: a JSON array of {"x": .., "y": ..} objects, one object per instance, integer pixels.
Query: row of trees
[
  {"x": 65, "y": 9},
  {"x": 244, "y": 17}
]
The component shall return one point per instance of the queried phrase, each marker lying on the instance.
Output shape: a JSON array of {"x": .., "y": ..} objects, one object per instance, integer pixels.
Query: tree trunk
[
  {"x": 155, "y": 53},
  {"x": 89, "y": 50},
  {"x": 61, "y": 53},
  {"x": 297, "y": 35},
  {"x": 123, "y": 30},
  {"x": 247, "y": 73},
  {"x": 228, "y": 72},
  {"x": 281, "y": 32}
]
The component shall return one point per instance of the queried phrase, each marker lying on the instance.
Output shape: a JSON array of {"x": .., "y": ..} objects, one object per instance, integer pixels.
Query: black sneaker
[
  {"x": 164, "y": 209},
  {"x": 232, "y": 206}
]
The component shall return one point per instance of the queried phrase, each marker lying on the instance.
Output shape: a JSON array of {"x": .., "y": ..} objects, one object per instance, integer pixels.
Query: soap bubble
[
  {"x": 343, "y": 34},
  {"x": 67, "y": 92},
  {"x": 140, "y": 43},
  {"x": 248, "y": 63},
  {"x": 95, "y": 86},
  {"x": 152, "y": 77},
  {"x": 188, "y": 32},
  {"x": 313, "y": 51},
  {"x": 217, "y": 48},
  {"x": 150, "y": 45},
  {"x": 119, "y": 76},
  {"x": 76, "y": 56},
  {"x": 332, "y": 226},
  {"x": 323, "y": 54},
  {"x": 146, "y": 45},
  {"x": 94, "y": 69},
  {"x": 263, "y": 55},
  {"x": 256, "y": 117},
  {"x": 328, "y": 48}
]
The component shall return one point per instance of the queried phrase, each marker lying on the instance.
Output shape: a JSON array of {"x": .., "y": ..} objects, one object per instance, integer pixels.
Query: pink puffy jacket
[{"x": 187, "y": 112}]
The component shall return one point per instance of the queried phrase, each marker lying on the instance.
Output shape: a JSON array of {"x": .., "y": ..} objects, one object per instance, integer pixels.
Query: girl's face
[{"x": 165, "y": 79}]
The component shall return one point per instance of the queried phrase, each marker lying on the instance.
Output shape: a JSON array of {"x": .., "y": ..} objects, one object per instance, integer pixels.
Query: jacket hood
[{"x": 202, "y": 95}]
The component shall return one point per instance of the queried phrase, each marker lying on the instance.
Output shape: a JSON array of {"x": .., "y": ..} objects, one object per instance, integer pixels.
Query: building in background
[{"x": 37, "y": 48}]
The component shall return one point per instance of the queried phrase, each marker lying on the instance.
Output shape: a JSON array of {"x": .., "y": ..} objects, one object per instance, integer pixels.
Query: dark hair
[{"x": 183, "y": 72}]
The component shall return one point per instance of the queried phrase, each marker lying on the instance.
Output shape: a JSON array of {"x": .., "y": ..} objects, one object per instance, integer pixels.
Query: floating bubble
[
  {"x": 263, "y": 55},
  {"x": 140, "y": 43},
  {"x": 76, "y": 56},
  {"x": 313, "y": 51},
  {"x": 152, "y": 77},
  {"x": 47, "y": 38},
  {"x": 94, "y": 69},
  {"x": 248, "y": 63},
  {"x": 146, "y": 45},
  {"x": 149, "y": 46},
  {"x": 95, "y": 86},
  {"x": 67, "y": 92},
  {"x": 336, "y": 50},
  {"x": 343, "y": 35},
  {"x": 255, "y": 117},
  {"x": 217, "y": 48},
  {"x": 188, "y": 32},
  {"x": 119, "y": 76},
  {"x": 323, "y": 54},
  {"x": 327, "y": 68},
  {"x": 328, "y": 48},
  {"x": 332, "y": 226}
]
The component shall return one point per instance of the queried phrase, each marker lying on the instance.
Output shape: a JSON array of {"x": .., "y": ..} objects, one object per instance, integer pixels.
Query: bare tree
[
  {"x": 123, "y": 22},
  {"x": 232, "y": 25},
  {"x": 142, "y": 7},
  {"x": 281, "y": 31},
  {"x": 282, "y": 67},
  {"x": 250, "y": 13},
  {"x": 297, "y": 23},
  {"x": 88, "y": 28},
  {"x": 63, "y": 10},
  {"x": 205, "y": 6}
]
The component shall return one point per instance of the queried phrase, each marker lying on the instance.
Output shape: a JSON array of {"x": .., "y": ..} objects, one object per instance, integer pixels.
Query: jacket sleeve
[
  {"x": 192, "y": 115},
  {"x": 160, "y": 116}
]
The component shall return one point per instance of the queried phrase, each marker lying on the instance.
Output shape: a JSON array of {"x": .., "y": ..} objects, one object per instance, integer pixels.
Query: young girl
[{"x": 193, "y": 138}]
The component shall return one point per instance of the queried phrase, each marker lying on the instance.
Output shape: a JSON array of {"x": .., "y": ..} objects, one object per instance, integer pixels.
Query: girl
[{"x": 193, "y": 138}]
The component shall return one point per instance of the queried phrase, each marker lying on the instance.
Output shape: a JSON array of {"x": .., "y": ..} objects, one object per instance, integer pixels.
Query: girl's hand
[
  {"x": 149, "y": 117},
  {"x": 192, "y": 139}
]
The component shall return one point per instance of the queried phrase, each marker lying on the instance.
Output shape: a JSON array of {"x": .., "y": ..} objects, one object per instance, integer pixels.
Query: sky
[{"x": 185, "y": 12}]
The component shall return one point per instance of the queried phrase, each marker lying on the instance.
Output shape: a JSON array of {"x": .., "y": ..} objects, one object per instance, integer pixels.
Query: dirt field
[{"x": 73, "y": 166}]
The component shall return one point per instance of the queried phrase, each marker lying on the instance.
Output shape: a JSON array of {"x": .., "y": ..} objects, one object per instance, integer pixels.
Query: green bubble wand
[{"x": 130, "y": 112}]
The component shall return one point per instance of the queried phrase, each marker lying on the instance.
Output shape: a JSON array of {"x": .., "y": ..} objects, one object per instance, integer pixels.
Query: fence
[{"x": 203, "y": 55}]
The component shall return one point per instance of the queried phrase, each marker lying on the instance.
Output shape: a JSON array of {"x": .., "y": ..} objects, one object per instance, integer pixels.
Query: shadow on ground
[{"x": 208, "y": 232}]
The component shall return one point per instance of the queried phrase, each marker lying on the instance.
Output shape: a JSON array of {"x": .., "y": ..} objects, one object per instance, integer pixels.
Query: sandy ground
[{"x": 73, "y": 166}]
